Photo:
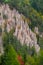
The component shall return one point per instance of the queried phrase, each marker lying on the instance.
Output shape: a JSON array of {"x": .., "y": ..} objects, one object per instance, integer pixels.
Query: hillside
[
  {"x": 13, "y": 20},
  {"x": 21, "y": 32}
]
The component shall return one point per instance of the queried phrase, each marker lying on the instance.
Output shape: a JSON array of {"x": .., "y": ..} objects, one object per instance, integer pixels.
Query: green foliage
[
  {"x": 10, "y": 56},
  {"x": 37, "y": 4},
  {"x": 41, "y": 58},
  {"x": 32, "y": 60},
  {"x": 35, "y": 60},
  {"x": 41, "y": 42},
  {"x": 5, "y": 38}
]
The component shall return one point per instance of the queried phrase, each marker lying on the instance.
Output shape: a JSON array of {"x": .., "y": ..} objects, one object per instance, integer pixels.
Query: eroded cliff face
[{"x": 13, "y": 20}]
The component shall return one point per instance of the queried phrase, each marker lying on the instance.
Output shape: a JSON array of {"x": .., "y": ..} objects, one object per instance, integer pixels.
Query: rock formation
[{"x": 12, "y": 19}]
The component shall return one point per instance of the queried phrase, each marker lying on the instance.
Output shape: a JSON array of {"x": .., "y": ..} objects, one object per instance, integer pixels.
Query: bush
[{"x": 10, "y": 56}]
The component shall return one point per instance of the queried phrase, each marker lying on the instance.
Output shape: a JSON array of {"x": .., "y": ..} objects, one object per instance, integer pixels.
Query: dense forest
[{"x": 14, "y": 52}]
